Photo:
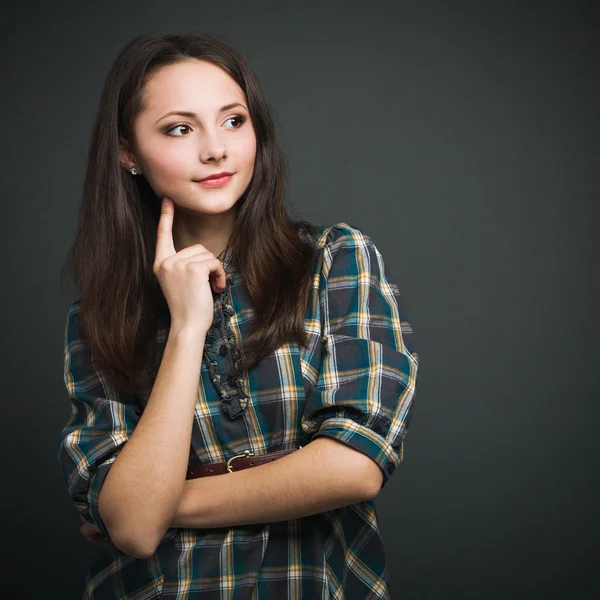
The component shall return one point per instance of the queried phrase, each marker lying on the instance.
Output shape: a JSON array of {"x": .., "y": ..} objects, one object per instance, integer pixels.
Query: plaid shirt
[{"x": 355, "y": 383}]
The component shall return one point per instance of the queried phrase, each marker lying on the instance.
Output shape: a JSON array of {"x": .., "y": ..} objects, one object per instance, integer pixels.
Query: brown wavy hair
[{"x": 110, "y": 261}]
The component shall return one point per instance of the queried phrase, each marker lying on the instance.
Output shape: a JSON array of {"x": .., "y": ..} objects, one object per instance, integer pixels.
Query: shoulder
[
  {"x": 343, "y": 235},
  {"x": 75, "y": 337},
  {"x": 345, "y": 250},
  {"x": 72, "y": 325},
  {"x": 74, "y": 307}
]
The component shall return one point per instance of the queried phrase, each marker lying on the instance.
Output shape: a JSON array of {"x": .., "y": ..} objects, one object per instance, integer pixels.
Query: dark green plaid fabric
[{"x": 355, "y": 383}]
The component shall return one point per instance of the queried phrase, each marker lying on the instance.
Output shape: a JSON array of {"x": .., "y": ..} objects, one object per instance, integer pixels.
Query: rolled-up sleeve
[
  {"x": 365, "y": 367},
  {"x": 101, "y": 422}
]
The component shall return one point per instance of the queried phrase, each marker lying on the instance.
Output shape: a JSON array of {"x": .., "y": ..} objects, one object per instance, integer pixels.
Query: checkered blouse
[{"x": 355, "y": 383}]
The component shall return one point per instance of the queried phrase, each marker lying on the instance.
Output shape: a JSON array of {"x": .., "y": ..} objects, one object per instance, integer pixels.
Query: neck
[{"x": 211, "y": 231}]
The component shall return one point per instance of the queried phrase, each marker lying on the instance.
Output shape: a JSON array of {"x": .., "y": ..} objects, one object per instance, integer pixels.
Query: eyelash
[{"x": 241, "y": 118}]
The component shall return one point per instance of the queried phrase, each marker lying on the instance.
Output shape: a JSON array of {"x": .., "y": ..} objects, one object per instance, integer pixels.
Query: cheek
[
  {"x": 168, "y": 164},
  {"x": 165, "y": 173},
  {"x": 248, "y": 154},
  {"x": 166, "y": 169}
]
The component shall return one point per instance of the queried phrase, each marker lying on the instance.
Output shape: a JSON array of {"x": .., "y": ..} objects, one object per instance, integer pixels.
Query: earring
[{"x": 133, "y": 171}]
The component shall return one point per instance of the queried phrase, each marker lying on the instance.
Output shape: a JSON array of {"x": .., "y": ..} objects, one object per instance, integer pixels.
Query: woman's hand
[
  {"x": 185, "y": 277},
  {"x": 91, "y": 532}
]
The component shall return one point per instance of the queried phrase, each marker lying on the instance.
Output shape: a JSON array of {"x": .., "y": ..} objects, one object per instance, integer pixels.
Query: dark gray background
[{"x": 463, "y": 137}]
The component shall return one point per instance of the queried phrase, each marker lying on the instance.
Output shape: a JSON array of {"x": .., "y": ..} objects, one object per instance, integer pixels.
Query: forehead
[{"x": 189, "y": 84}]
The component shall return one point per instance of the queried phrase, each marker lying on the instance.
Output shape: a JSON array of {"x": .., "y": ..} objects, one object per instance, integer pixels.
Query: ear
[{"x": 126, "y": 156}]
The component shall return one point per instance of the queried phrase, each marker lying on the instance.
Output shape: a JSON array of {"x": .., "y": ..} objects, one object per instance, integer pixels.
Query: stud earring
[{"x": 133, "y": 171}]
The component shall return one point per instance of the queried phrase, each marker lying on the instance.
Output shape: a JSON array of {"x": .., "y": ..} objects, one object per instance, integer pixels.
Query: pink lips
[{"x": 216, "y": 182}]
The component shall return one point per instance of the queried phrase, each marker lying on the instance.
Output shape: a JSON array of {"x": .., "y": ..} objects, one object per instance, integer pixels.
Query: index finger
[{"x": 164, "y": 233}]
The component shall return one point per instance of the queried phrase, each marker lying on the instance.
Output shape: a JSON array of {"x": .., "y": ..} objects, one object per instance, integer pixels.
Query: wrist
[{"x": 187, "y": 334}]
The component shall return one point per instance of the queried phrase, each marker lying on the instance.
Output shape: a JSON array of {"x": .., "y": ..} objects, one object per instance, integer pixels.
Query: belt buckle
[{"x": 245, "y": 455}]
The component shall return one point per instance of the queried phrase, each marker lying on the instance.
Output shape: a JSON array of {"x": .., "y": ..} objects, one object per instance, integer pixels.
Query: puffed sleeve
[
  {"x": 101, "y": 422},
  {"x": 365, "y": 368}
]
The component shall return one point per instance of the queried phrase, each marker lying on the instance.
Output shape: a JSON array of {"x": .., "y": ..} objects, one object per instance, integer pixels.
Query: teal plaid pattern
[{"x": 355, "y": 382}]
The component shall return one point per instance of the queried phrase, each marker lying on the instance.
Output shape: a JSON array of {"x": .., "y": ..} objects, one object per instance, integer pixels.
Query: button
[{"x": 223, "y": 350}]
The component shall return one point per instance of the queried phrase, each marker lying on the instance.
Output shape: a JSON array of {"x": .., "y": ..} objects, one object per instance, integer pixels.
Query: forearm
[
  {"x": 143, "y": 487},
  {"x": 321, "y": 476}
]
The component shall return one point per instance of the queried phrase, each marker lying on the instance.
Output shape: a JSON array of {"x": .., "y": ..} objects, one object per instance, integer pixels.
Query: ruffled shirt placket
[{"x": 222, "y": 355}]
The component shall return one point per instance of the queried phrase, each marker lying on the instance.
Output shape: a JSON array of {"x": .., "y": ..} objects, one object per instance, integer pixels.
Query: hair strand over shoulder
[{"x": 111, "y": 258}]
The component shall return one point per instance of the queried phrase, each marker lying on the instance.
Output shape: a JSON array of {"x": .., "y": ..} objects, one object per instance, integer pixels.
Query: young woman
[{"x": 241, "y": 383}]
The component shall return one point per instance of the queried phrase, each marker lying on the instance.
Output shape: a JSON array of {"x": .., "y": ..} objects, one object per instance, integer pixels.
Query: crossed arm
[{"x": 321, "y": 476}]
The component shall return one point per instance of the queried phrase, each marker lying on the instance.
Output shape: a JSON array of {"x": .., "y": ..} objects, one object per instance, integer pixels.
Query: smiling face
[{"x": 174, "y": 152}]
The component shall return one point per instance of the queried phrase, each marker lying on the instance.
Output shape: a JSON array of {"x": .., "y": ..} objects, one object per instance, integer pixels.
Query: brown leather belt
[{"x": 242, "y": 461}]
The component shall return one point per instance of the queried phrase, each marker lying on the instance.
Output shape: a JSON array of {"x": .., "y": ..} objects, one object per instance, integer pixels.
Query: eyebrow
[{"x": 187, "y": 113}]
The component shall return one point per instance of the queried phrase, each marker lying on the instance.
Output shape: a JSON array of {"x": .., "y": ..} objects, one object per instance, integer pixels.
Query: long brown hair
[{"x": 110, "y": 261}]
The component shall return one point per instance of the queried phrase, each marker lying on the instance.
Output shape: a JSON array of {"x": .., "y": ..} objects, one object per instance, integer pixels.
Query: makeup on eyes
[{"x": 241, "y": 118}]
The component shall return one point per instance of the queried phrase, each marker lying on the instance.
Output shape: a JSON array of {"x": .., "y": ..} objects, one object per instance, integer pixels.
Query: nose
[{"x": 213, "y": 148}]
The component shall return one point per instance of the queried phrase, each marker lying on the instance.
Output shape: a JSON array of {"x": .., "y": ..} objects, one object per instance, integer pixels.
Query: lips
[
  {"x": 212, "y": 182},
  {"x": 217, "y": 176}
]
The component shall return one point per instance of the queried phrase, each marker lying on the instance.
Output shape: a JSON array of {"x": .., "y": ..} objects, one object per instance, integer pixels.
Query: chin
[{"x": 213, "y": 208}]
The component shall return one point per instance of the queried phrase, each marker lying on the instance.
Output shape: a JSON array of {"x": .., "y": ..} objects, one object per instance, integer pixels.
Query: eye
[
  {"x": 168, "y": 131},
  {"x": 241, "y": 119}
]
